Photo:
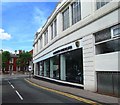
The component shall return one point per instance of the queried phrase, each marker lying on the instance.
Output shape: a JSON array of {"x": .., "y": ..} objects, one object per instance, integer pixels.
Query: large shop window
[
  {"x": 74, "y": 66},
  {"x": 41, "y": 68},
  {"x": 66, "y": 19},
  {"x": 47, "y": 68},
  {"x": 76, "y": 11},
  {"x": 56, "y": 70},
  {"x": 108, "y": 40}
]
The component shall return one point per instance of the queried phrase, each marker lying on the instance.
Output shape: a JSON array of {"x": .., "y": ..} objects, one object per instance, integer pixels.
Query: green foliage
[
  {"x": 23, "y": 60},
  {"x": 5, "y": 58}
]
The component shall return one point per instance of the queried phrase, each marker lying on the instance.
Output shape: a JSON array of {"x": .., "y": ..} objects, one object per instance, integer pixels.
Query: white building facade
[{"x": 80, "y": 45}]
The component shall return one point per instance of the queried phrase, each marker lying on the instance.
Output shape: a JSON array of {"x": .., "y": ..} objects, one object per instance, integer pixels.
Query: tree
[
  {"x": 23, "y": 60},
  {"x": 5, "y": 59}
]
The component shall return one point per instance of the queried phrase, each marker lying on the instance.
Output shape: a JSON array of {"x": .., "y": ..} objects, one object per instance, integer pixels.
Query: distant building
[
  {"x": 11, "y": 66},
  {"x": 80, "y": 44},
  {"x": 13, "y": 62}
]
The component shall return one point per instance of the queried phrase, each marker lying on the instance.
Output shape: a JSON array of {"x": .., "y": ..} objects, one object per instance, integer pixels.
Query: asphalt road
[{"x": 17, "y": 90}]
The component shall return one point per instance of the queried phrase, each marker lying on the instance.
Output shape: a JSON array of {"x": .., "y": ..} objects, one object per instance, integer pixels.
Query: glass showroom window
[
  {"x": 74, "y": 66},
  {"x": 101, "y": 3},
  {"x": 108, "y": 40},
  {"x": 47, "y": 68},
  {"x": 41, "y": 68},
  {"x": 76, "y": 11},
  {"x": 66, "y": 19},
  {"x": 46, "y": 37},
  {"x": 56, "y": 62}
]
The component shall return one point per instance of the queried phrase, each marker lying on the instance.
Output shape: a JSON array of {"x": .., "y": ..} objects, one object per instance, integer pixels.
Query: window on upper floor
[
  {"x": 11, "y": 60},
  {"x": 52, "y": 31},
  {"x": 55, "y": 28},
  {"x": 66, "y": 19},
  {"x": 76, "y": 11},
  {"x": 101, "y": 3},
  {"x": 108, "y": 40},
  {"x": 46, "y": 37},
  {"x": 41, "y": 42}
]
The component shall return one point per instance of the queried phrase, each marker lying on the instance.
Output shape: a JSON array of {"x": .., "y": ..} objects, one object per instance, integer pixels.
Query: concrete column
[
  {"x": 62, "y": 67},
  {"x": 35, "y": 69},
  {"x": 51, "y": 68},
  {"x": 90, "y": 80},
  {"x": 45, "y": 69}
]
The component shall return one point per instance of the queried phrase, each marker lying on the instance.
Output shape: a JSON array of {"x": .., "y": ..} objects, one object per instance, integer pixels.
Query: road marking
[
  {"x": 19, "y": 95},
  {"x": 65, "y": 94},
  {"x": 12, "y": 86},
  {"x": 9, "y": 82},
  {"x": 16, "y": 91}
]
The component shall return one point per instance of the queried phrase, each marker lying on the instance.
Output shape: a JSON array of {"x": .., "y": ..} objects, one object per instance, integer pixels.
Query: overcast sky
[{"x": 20, "y": 21}]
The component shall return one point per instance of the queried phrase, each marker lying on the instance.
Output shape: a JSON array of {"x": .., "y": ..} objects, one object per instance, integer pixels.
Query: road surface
[{"x": 17, "y": 90}]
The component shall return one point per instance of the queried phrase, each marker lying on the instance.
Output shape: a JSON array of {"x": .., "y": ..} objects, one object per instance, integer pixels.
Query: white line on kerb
[
  {"x": 12, "y": 86},
  {"x": 19, "y": 95}
]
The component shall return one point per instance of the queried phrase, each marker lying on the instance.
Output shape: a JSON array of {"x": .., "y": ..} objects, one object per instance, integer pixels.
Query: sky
[{"x": 20, "y": 21}]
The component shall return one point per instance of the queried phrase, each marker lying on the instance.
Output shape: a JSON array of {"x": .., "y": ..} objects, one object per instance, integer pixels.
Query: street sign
[{"x": 30, "y": 68}]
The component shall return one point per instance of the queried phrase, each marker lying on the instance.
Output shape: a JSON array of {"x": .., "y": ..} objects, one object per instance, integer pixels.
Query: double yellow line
[{"x": 65, "y": 94}]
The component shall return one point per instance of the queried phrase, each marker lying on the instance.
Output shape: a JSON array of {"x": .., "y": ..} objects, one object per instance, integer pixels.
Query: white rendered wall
[
  {"x": 107, "y": 62},
  {"x": 91, "y": 28},
  {"x": 72, "y": 34},
  {"x": 86, "y": 8}
]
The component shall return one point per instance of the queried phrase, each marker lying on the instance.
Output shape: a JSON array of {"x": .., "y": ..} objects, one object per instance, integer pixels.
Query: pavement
[
  {"x": 105, "y": 99},
  {"x": 13, "y": 75}
]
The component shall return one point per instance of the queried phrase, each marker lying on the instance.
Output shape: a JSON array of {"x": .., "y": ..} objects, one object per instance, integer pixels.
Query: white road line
[
  {"x": 12, "y": 86},
  {"x": 19, "y": 95},
  {"x": 9, "y": 82}
]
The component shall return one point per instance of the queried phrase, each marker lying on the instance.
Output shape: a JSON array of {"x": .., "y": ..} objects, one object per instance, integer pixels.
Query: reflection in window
[
  {"x": 66, "y": 19},
  {"x": 55, "y": 28},
  {"x": 74, "y": 66},
  {"x": 107, "y": 47},
  {"x": 76, "y": 11},
  {"x": 102, "y": 35},
  {"x": 47, "y": 67},
  {"x": 46, "y": 37},
  {"x": 41, "y": 42},
  {"x": 41, "y": 68},
  {"x": 115, "y": 31},
  {"x": 101, "y": 3},
  {"x": 56, "y": 74}
]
